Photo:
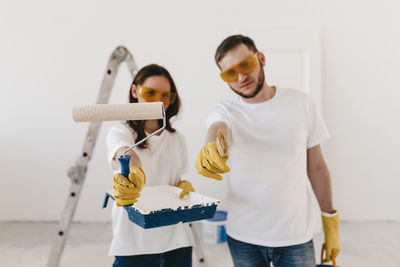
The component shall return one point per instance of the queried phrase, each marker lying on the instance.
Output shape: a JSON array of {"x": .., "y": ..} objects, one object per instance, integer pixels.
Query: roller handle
[
  {"x": 222, "y": 145},
  {"x": 124, "y": 160}
]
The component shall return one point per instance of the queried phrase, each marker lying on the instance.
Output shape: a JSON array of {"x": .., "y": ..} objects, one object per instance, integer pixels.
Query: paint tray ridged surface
[{"x": 160, "y": 206}]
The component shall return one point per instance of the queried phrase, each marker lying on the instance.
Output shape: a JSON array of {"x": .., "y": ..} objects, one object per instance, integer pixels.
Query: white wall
[{"x": 53, "y": 55}]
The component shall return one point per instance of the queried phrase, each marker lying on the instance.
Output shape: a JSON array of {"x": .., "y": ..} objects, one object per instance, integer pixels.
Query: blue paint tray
[{"x": 160, "y": 206}]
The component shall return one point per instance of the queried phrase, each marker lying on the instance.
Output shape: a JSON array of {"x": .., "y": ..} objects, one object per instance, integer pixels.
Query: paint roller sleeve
[{"x": 118, "y": 112}]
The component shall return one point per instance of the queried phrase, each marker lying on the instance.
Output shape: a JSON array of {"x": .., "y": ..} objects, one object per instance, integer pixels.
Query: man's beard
[{"x": 261, "y": 79}]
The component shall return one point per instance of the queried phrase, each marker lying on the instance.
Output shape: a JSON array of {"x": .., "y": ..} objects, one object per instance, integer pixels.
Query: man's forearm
[
  {"x": 212, "y": 132},
  {"x": 321, "y": 184}
]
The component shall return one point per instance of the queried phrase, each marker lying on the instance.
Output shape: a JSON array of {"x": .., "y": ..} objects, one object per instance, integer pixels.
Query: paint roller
[
  {"x": 146, "y": 111},
  {"x": 121, "y": 112}
]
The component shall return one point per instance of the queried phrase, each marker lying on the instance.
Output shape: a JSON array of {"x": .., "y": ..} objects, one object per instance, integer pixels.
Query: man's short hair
[{"x": 230, "y": 43}]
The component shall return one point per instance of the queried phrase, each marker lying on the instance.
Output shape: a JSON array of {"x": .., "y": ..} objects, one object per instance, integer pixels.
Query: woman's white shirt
[{"x": 164, "y": 162}]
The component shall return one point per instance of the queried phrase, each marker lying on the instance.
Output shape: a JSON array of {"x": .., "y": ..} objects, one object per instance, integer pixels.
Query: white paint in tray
[{"x": 156, "y": 198}]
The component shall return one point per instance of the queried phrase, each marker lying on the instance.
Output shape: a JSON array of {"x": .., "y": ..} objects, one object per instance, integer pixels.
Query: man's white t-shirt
[
  {"x": 270, "y": 200},
  {"x": 164, "y": 163}
]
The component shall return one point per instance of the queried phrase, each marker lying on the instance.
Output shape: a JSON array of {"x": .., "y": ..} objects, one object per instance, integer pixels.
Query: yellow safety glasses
[
  {"x": 154, "y": 95},
  {"x": 246, "y": 66}
]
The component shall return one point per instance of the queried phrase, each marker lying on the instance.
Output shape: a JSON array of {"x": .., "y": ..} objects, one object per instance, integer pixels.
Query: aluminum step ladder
[{"x": 77, "y": 172}]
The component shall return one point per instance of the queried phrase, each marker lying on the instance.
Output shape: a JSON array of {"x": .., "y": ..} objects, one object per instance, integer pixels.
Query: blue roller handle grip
[{"x": 124, "y": 160}]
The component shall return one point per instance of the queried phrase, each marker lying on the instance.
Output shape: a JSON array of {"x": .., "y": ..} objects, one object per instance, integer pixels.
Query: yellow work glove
[
  {"x": 332, "y": 242},
  {"x": 127, "y": 190},
  {"x": 186, "y": 188},
  {"x": 209, "y": 162}
]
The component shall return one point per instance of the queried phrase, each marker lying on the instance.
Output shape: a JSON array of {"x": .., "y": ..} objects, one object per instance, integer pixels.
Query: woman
[{"x": 163, "y": 160}]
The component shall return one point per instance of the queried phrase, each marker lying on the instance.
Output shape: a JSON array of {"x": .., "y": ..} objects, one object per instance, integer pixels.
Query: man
[{"x": 277, "y": 172}]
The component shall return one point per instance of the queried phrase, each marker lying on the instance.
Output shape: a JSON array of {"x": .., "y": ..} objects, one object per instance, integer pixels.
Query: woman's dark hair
[{"x": 172, "y": 110}]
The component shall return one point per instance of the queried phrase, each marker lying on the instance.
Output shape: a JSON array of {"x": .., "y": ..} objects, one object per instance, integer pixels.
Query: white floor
[{"x": 28, "y": 244}]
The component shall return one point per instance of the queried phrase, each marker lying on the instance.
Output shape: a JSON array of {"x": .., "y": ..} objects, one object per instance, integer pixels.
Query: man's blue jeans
[
  {"x": 246, "y": 255},
  {"x": 181, "y": 257}
]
